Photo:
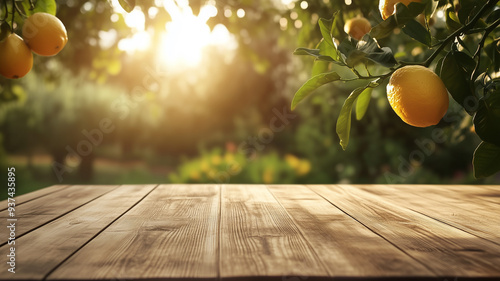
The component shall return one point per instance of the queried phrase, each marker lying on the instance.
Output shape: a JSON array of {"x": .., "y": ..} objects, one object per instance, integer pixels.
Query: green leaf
[
  {"x": 322, "y": 66},
  {"x": 402, "y": 15},
  {"x": 366, "y": 48},
  {"x": 312, "y": 52},
  {"x": 373, "y": 52},
  {"x": 346, "y": 47},
  {"x": 430, "y": 8},
  {"x": 493, "y": 52},
  {"x": 3, "y": 12},
  {"x": 439, "y": 65},
  {"x": 344, "y": 120},
  {"x": 306, "y": 52},
  {"x": 462, "y": 43},
  {"x": 4, "y": 30},
  {"x": 362, "y": 103},
  {"x": 452, "y": 20},
  {"x": 468, "y": 9},
  {"x": 487, "y": 118},
  {"x": 328, "y": 50},
  {"x": 493, "y": 16},
  {"x": 41, "y": 6},
  {"x": 127, "y": 5},
  {"x": 456, "y": 78},
  {"x": 337, "y": 30},
  {"x": 312, "y": 84},
  {"x": 405, "y": 15},
  {"x": 486, "y": 161},
  {"x": 418, "y": 32},
  {"x": 384, "y": 28},
  {"x": 319, "y": 67},
  {"x": 326, "y": 27}
]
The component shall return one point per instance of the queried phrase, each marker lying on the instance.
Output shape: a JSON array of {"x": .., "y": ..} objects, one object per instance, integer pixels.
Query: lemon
[
  {"x": 417, "y": 95},
  {"x": 386, "y": 7},
  {"x": 45, "y": 34},
  {"x": 357, "y": 27},
  {"x": 16, "y": 59}
]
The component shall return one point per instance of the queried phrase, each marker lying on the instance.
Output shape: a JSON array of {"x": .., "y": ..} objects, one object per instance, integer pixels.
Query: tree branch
[
  {"x": 477, "y": 54},
  {"x": 459, "y": 31}
]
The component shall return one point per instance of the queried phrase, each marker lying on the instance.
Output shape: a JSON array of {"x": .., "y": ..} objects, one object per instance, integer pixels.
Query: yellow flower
[
  {"x": 229, "y": 157},
  {"x": 267, "y": 177},
  {"x": 292, "y": 160},
  {"x": 216, "y": 159},
  {"x": 303, "y": 168},
  {"x": 194, "y": 175},
  {"x": 234, "y": 168},
  {"x": 204, "y": 166}
]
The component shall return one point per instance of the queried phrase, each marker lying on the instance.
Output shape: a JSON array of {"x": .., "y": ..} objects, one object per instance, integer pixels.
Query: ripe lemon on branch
[
  {"x": 386, "y": 7},
  {"x": 417, "y": 95},
  {"x": 16, "y": 59},
  {"x": 45, "y": 34},
  {"x": 357, "y": 27}
]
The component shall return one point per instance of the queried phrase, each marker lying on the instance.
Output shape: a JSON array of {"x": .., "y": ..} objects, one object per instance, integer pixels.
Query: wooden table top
[{"x": 246, "y": 232}]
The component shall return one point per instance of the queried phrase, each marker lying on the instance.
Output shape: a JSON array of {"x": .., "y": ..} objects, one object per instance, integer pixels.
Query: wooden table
[{"x": 247, "y": 232}]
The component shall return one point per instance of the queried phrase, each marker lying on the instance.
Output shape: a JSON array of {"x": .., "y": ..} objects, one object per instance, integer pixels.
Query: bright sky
[{"x": 185, "y": 38}]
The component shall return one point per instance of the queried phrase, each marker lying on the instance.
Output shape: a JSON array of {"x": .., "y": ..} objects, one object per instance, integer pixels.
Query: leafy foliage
[
  {"x": 175, "y": 122},
  {"x": 344, "y": 121},
  {"x": 467, "y": 68},
  {"x": 312, "y": 85}
]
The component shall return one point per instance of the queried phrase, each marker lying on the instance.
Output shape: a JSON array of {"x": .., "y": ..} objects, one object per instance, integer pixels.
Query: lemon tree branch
[
  {"x": 13, "y": 15},
  {"x": 487, "y": 32},
  {"x": 458, "y": 32}
]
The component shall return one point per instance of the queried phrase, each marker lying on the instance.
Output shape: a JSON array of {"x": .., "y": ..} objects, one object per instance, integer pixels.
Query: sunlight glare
[
  {"x": 135, "y": 19},
  {"x": 140, "y": 41},
  {"x": 184, "y": 40},
  {"x": 187, "y": 36}
]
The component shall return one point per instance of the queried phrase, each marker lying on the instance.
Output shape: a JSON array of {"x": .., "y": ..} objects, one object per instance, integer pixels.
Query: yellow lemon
[
  {"x": 386, "y": 7},
  {"x": 417, "y": 95},
  {"x": 45, "y": 34},
  {"x": 16, "y": 59},
  {"x": 357, "y": 27}
]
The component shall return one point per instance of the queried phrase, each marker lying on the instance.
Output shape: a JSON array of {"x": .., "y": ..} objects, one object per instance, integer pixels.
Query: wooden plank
[
  {"x": 344, "y": 245},
  {"x": 492, "y": 195},
  {"x": 445, "y": 250},
  {"x": 44, "y": 209},
  {"x": 21, "y": 199},
  {"x": 482, "y": 195},
  {"x": 172, "y": 233},
  {"x": 41, "y": 250},
  {"x": 258, "y": 238},
  {"x": 460, "y": 210}
]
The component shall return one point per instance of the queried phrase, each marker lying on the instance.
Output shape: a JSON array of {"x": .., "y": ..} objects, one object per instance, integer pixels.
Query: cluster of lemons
[
  {"x": 417, "y": 95},
  {"x": 42, "y": 33}
]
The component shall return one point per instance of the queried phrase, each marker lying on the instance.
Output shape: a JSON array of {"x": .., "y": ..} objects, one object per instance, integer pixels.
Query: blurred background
[{"x": 199, "y": 92}]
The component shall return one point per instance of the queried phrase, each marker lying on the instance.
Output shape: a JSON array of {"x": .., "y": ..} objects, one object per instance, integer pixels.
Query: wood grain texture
[
  {"x": 43, "y": 249},
  {"x": 172, "y": 233},
  {"x": 44, "y": 209},
  {"x": 345, "y": 246},
  {"x": 445, "y": 250},
  {"x": 21, "y": 199},
  {"x": 462, "y": 210},
  {"x": 258, "y": 232},
  {"x": 258, "y": 237}
]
